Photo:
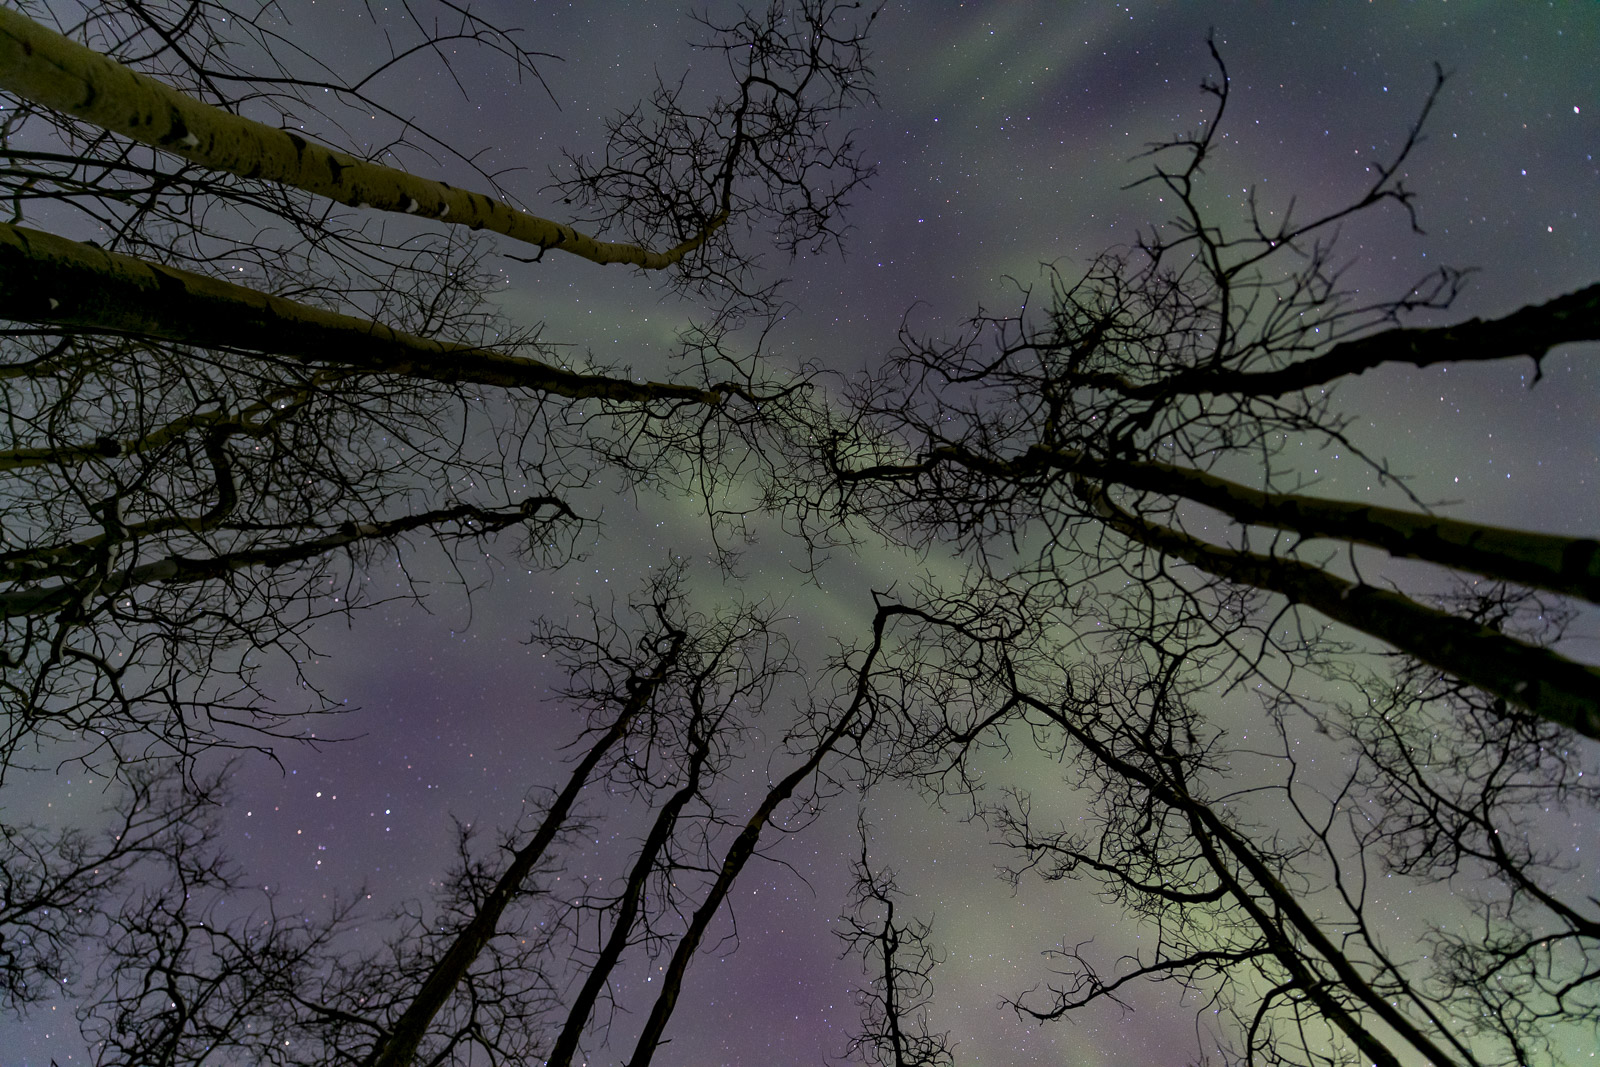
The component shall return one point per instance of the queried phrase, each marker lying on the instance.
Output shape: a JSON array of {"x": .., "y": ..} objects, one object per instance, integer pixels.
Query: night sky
[{"x": 1003, "y": 137}]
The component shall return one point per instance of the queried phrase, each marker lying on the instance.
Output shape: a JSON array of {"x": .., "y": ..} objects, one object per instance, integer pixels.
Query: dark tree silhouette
[
  {"x": 238, "y": 398},
  {"x": 187, "y": 970},
  {"x": 250, "y": 360},
  {"x": 1259, "y": 888},
  {"x": 1165, "y": 386},
  {"x": 249, "y": 390},
  {"x": 59, "y": 888},
  {"x": 898, "y": 963},
  {"x": 1076, "y": 455}
]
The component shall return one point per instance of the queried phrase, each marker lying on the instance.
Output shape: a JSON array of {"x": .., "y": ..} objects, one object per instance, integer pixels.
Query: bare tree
[
  {"x": 246, "y": 391},
  {"x": 678, "y": 693},
  {"x": 680, "y": 173},
  {"x": 898, "y": 962},
  {"x": 1167, "y": 384},
  {"x": 504, "y": 963},
  {"x": 1080, "y": 456},
  {"x": 58, "y": 888},
  {"x": 251, "y": 362},
  {"x": 250, "y": 390},
  {"x": 1260, "y": 890},
  {"x": 187, "y": 969}
]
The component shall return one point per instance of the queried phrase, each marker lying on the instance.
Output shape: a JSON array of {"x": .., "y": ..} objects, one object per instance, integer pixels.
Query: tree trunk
[
  {"x": 50, "y": 280},
  {"x": 41, "y": 65}
]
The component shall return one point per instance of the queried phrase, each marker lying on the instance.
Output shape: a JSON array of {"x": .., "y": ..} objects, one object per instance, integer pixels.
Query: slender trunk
[
  {"x": 1566, "y": 565},
  {"x": 1546, "y": 683},
  {"x": 41, "y": 65},
  {"x": 744, "y": 847},
  {"x": 632, "y": 895},
  {"x": 1209, "y": 831},
  {"x": 50, "y": 280},
  {"x": 888, "y": 945},
  {"x": 399, "y": 1046},
  {"x": 1530, "y": 331}
]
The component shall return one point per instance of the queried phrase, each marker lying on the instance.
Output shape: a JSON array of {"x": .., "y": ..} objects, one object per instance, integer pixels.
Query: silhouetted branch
[{"x": 899, "y": 965}]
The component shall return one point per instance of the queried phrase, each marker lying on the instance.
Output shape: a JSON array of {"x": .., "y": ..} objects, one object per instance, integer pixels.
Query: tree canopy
[{"x": 253, "y": 358}]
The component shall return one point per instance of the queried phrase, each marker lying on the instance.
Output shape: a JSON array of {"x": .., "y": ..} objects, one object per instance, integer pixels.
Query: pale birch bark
[
  {"x": 1542, "y": 680},
  {"x": 43, "y": 66},
  {"x": 47, "y": 279},
  {"x": 1566, "y": 565}
]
